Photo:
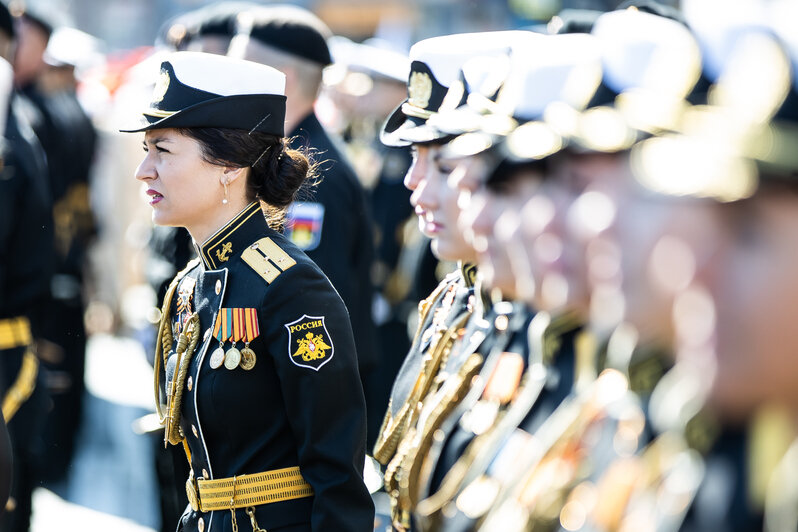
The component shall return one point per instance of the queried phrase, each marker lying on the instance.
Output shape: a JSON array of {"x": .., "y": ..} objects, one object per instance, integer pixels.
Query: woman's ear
[{"x": 231, "y": 173}]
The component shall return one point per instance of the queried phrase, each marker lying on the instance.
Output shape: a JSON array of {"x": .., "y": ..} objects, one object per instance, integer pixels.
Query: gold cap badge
[
  {"x": 161, "y": 87},
  {"x": 419, "y": 89}
]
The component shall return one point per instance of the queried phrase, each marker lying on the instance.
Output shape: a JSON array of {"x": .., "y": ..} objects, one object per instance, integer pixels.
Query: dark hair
[{"x": 278, "y": 174}]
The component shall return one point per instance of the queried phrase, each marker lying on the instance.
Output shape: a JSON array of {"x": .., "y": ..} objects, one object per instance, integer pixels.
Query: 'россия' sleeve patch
[{"x": 309, "y": 342}]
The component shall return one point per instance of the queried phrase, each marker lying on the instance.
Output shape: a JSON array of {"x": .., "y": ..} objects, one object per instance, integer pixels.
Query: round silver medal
[
  {"x": 217, "y": 358},
  {"x": 232, "y": 358}
]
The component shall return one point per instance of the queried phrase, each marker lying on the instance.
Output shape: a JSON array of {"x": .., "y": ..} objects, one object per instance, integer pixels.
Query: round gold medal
[
  {"x": 232, "y": 358},
  {"x": 248, "y": 358},
  {"x": 217, "y": 357}
]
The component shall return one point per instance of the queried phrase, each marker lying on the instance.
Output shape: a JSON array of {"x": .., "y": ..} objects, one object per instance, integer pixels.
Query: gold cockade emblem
[
  {"x": 419, "y": 89},
  {"x": 161, "y": 87}
]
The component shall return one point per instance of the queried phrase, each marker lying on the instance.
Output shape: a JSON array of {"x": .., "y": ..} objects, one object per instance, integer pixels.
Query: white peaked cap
[
  {"x": 559, "y": 68},
  {"x": 197, "y": 89},
  {"x": 645, "y": 51},
  {"x": 446, "y": 55},
  {"x": 226, "y": 76}
]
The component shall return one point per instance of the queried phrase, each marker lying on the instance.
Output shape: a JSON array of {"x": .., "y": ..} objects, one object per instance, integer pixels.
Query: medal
[
  {"x": 248, "y": 358},
  {"x": 251, "y": 331},
  {"x": 221, "y": 331},
  {"x": 235, "y": 325},
  {"x": 232, "y": 358},
  {"x": 217, "y": 357},
  {"x": 233, "y": 355}
]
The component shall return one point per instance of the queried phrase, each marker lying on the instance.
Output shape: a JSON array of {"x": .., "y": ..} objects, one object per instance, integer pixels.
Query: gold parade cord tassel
[{"x": 186, "y": 345}]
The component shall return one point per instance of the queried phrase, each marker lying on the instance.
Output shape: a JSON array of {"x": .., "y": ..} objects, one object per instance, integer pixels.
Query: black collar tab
[{"x": 229, "y": 241}]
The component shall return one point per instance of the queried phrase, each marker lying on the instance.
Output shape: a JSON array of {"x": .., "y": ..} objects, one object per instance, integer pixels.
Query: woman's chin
[{"x": 160, "y": 217}]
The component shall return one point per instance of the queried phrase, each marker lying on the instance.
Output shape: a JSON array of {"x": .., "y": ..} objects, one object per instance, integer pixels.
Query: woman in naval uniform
[{"x": 255, "y": 369}]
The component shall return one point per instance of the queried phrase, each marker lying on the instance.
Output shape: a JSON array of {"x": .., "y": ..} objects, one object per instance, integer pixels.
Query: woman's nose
[
  {"x": 415, "y": 173},
  {"x": 146, "y": 170}
]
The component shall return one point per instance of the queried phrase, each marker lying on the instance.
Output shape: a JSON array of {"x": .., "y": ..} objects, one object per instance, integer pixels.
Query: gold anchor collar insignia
[
  {"x": 224, "y": 254},
  {"x": 229, "y": 241}
]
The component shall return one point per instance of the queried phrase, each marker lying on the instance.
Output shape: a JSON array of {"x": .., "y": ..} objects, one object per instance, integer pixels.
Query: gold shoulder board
[{"x": 267, "y": 259}]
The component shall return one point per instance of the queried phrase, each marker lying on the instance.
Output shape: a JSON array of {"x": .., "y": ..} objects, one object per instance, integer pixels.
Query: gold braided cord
[
  {"x": 416, "y": 464},
  {"x": 161, "y": 346},
  {"x": 394, "y": 427},
  {"x": 408, "y": 415},
  {"x": 185, "y": 347},
  {"x": 477, "y": 455},
  {"x": 163, "y": 341}
]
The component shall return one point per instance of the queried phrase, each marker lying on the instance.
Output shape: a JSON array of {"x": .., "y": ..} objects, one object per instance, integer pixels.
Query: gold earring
[{"x": 224, "y": 201}]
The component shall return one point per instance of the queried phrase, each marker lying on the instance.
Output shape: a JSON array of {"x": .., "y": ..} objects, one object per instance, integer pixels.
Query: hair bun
[{"x": 280, "y": 189}]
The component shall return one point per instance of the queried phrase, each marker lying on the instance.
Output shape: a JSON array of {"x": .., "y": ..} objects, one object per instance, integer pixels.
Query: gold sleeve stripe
[{"x": 267, "y": 259}]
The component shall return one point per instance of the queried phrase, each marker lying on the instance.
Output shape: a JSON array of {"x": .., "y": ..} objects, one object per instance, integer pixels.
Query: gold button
[
  {"x": 194, "y": 430},
  {"x": 218, "y": 287},
  {"x": 207, "y": 335},
  {"x": 201, "y": 524},
  {"x": 190, "y": 383},
  {"x": 205, "y": 474}
]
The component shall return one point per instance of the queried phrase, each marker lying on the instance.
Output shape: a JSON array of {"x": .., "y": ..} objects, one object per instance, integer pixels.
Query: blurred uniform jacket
[
  {"x": 26, "y": 223},
  {"x": 285, "y": 411},
  {"x": 26, "y": 266},
  {"x": 445, "y": 310},
  {"x": 334, "y": 228},
  {"x": 68, "y": 138}
]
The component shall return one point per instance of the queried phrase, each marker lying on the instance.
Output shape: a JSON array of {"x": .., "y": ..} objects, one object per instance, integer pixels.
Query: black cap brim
[
  {"x": 252, "y": 112},
  {"x": 401, "y": 130}
]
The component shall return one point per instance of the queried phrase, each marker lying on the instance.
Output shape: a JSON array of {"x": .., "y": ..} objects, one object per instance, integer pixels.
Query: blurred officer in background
[
  {"x": 436, "y": 372},
  {"x": 26, "y": 242},
  {"x": 528, "y": 365},
  {"x": 208, "y": 29},
  {"x": 26, "y": 245},
  {"x": 75, "y": 229},
  {"x": 736, "y": 155},
  {"x": 68, "y": 138},
  {"x": 333, "y": 226},
  {"x": 623, "y": 246}
]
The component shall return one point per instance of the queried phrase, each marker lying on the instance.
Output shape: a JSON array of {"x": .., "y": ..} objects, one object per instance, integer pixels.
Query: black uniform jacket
[
  {"x": 26, "y": 222},
  {"x": 343, "y": 241},
  {"x": 285, "y": 411}
]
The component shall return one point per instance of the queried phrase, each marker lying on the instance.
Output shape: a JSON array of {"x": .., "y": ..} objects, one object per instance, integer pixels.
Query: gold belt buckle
[{"x": 192, "y": 492}]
